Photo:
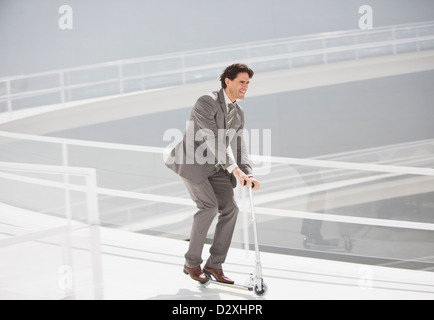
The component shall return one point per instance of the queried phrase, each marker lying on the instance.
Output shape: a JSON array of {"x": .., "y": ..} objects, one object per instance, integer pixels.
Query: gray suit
[{"x": 194, "y": 159}]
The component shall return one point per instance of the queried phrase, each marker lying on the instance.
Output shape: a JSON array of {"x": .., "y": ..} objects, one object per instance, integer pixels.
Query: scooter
[{"x": 255, "y": 282}]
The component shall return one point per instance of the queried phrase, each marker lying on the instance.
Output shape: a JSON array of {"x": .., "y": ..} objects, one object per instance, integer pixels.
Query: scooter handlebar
[{"x": 253, "y": 184}]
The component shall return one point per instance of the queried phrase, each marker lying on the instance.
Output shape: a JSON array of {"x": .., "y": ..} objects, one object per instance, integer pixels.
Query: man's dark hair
[{"x": 232, "y": 71}]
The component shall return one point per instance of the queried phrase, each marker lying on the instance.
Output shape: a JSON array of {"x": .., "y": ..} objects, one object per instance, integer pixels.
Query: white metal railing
[
  {"x": 124, "y": 76},
  {"x": 396, "y": 170},
  {"x": 89, "y": 174},
  {"x": 12, "y": 171}
]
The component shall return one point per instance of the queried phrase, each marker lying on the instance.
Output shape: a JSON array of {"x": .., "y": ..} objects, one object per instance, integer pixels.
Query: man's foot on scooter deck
[
  {"x": 217, "y": 274},
  {"x": 196, "y": 274}
]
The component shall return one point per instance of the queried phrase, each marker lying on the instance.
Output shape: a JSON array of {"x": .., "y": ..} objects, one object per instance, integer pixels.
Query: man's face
[{"x": 237, "y": 88}]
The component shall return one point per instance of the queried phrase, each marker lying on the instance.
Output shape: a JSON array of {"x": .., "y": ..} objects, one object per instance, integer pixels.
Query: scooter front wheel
[{"x": 262, "y": 292}]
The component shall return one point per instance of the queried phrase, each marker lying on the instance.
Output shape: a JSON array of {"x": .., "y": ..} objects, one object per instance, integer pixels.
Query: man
[{"x": 210, "y": 166}]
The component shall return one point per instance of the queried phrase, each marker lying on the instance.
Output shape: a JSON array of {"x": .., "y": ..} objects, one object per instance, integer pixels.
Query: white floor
[
  {"x": 116, "y": 264},
  {"x": 153, "y": 271}
]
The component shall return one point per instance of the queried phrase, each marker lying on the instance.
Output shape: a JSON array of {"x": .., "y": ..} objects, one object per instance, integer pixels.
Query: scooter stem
[{"x": 258, "y": 275}]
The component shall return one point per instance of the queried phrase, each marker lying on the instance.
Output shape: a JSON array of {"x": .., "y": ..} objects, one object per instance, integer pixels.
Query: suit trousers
[{"x": 213, "y": 196}]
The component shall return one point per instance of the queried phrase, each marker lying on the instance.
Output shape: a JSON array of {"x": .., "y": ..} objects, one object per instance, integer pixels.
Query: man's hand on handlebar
[{"x": 245, "y": 180}]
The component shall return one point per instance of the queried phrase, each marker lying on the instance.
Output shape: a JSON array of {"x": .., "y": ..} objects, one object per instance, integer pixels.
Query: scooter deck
[
  {"x": 251, "y": 287},
  {"x": 231, "y": 285}
]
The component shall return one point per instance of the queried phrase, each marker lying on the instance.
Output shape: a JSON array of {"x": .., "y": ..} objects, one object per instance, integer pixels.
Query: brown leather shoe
[
  {"x": 217, "y": 274},
  {"x": 196, "y": 273}
]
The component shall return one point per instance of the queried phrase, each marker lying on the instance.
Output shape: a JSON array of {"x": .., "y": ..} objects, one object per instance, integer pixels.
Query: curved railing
[
  {"x": 137, "y": 192},
  {"x": 133, "y": 75}
]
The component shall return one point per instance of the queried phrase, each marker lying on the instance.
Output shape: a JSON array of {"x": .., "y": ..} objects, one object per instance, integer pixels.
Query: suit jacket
[{"x": 206, "y": 141}]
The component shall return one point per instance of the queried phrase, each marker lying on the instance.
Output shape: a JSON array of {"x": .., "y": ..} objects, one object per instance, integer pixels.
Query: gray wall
[
  {"x": 105, "y": 30},
  {"x": 347, "y": 117}
]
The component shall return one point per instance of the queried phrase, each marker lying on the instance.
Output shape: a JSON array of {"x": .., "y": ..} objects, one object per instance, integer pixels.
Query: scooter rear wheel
[{"x": 204, "y": 284}]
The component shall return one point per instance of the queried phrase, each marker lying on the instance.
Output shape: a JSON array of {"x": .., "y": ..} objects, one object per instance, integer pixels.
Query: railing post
[
  {"x": 246, "y": 244},
  {"x": 67, "y": 266},
  {"x": 92, "y": 199},
  {"x": 65, "y": 163},
  {"x": 96, "y": 260}
]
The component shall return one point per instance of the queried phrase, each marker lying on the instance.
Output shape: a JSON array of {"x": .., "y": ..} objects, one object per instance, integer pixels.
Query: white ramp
[{"x": 104, "y": 263}]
